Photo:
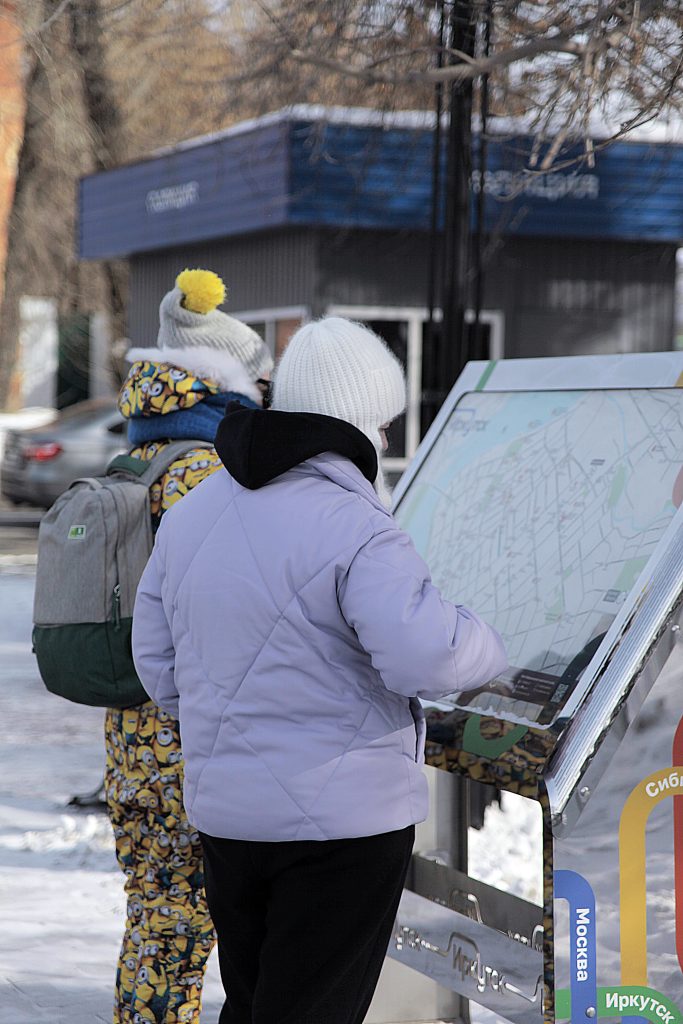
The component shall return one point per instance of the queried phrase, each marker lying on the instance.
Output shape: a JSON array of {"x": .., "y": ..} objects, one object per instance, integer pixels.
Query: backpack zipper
[{"x": 116, "y": 604}]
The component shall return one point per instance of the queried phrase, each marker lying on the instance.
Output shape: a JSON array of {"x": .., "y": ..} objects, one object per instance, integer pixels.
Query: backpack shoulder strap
[
  {"x": 126, "y": 464},
  {"x": 147, "y": 471}
]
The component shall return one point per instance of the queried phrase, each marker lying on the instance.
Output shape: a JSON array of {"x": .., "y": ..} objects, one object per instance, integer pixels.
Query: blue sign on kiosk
[{"x": 287, "y": 170}]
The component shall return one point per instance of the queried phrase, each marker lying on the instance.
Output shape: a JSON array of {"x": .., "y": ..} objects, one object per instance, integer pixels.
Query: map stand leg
[{"x": 461, "y": 817}]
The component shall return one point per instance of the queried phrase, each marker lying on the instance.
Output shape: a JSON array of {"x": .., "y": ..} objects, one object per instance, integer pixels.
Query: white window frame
[
  {"x": 270, "y": 316},
  {"x": 416, "y": 317}
]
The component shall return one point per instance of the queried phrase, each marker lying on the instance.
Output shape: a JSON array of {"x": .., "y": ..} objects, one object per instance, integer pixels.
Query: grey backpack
[{"x": 93, "y": 545}]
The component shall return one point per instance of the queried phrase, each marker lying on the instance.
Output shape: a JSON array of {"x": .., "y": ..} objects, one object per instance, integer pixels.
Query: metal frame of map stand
[{"x": 598, "y": 770}]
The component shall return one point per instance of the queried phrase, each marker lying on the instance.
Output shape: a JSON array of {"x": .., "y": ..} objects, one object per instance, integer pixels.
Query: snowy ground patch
[
  {"x": 508, "y": 851},
  {"x": 61, "y": 892}
]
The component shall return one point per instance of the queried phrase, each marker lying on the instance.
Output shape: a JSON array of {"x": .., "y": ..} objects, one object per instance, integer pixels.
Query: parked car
[{"x": 39, "y": 463}]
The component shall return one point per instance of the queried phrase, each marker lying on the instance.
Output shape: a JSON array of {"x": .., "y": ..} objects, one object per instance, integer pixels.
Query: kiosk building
[{"x": 316, "y": 210}]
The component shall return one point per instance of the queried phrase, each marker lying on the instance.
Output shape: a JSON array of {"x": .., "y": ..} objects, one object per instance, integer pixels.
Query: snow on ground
[
  {"x": 61, "y": 896},
  {"x": 508, "y": 851},
  {"x": 508, "y": 854}
]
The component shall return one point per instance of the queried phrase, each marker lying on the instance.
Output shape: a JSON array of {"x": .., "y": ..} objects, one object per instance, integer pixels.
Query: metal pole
[
  {"x": 456, "y": 261},
  {"x": 478, "y": 349},
  {"x": 430, "y": 348}
]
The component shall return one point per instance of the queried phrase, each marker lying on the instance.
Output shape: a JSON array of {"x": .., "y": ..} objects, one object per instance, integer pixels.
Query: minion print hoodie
[{"x": 164, "y": 402}]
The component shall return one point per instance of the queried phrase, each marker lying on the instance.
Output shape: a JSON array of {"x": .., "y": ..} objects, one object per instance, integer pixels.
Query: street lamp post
[{"x": 455, "y": 271}]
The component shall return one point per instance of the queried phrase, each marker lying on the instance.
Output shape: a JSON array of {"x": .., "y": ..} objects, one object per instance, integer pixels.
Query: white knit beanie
[
  {"x": 189, "y": 320},
  {"x": 339, "y": 368}
]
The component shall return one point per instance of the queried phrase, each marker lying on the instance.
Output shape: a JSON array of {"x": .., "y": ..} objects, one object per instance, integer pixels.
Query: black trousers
[{"x": 303, "y": 927}]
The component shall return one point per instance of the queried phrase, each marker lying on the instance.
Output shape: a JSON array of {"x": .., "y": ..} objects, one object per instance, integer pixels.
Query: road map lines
[{"x": 540, "y": 509}]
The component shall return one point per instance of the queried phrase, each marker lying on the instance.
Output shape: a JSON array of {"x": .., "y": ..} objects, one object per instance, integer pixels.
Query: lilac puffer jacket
[{"x": 290, "y": 629}]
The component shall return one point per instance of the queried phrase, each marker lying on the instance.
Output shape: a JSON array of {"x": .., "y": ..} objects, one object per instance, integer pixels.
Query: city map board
[{"x": 540, "y": 510}]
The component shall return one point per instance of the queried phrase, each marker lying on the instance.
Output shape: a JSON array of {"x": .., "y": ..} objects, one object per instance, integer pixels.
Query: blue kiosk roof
[{"x": 290, "y": 170}]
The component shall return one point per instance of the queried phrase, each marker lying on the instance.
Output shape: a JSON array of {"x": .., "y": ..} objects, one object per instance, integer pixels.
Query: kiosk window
[
  {"x": 540, "y": 510},
  {"x": 395, "y": 334}
]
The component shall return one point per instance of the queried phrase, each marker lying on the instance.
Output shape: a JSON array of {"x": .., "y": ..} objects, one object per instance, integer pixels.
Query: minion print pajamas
[{"x": 169, "y": 934}]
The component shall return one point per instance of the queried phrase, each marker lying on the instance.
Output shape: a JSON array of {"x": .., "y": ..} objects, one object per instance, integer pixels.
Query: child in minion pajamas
[{"x": 204, "y": 360}]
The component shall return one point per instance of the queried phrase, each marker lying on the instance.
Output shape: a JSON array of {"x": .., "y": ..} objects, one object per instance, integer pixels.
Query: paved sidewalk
[
  {"x": 61, "y": 900},
  {"x": 23, "y": 516}
]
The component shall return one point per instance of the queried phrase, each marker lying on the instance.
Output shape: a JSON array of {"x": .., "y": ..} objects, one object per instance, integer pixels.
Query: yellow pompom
[{"x": 203, "y": 290}]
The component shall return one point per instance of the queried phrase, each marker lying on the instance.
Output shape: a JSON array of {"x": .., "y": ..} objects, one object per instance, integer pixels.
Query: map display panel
[{"x": 539, "y": 510}]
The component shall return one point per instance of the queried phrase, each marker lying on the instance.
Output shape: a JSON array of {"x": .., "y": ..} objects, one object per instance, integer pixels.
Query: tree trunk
[
  {"x": 107, "y": 136},
  {"x": 30, "y": 244},
  {"x": 72, "y": 127},
  {"x": 87, "y": 34}
]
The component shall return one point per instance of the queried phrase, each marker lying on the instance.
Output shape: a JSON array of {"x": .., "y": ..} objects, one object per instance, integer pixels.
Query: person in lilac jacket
[{"x": 291, "y": 626}]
